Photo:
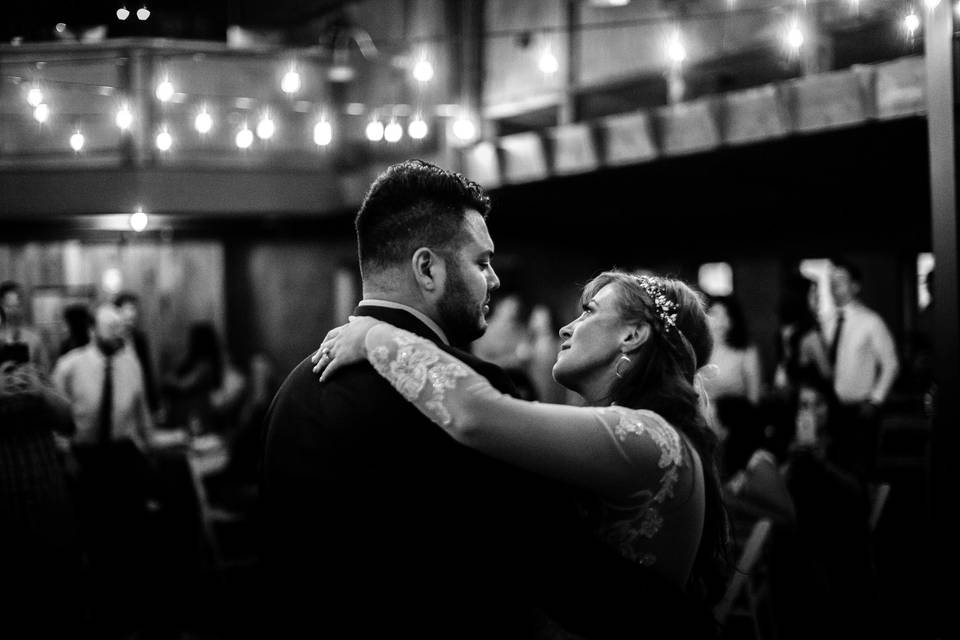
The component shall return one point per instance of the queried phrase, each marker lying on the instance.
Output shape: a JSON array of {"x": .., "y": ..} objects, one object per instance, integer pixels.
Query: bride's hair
[{"x": 661, "y": 379}]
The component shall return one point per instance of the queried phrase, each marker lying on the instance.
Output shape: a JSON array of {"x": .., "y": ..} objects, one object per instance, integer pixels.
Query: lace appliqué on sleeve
[
  {"x": 625, "y": 525},
  {"x": 416, "y": 362}
]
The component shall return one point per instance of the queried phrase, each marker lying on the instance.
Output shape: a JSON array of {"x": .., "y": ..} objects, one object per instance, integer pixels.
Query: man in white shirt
[
  {"x": 104, "y": 384},
  {"x": 81, "y": 375},
  {"x": 864, "y": 360}
]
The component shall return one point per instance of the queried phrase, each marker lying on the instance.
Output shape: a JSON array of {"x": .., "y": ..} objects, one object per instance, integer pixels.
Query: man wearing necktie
[
  {"x": 864, "y": 361},
  {"x": 104, "y": 384}
]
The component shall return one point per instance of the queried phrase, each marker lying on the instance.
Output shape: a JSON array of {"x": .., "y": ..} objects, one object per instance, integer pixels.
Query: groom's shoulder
[{"x": 353, "y": 385}]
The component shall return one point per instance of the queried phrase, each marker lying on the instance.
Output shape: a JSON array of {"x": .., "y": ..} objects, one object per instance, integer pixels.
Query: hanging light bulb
[
  {"x": 931, "y": 4},
  {"x": 794, "y": 36},
  {"x": 164, "y": 140},
  {"x": 548, "y": 63},
  {"x": 165, "y": 90},
  {"x": 143, "y": 13},
  {"x": 244, "y": 137},
  {"x": 417, "y": 129},
  {"x": 322, "y": 133},
  {"x": 291, "y": 81},
  {"x": 423, "y": 70},
  {"x": 34, "y": 97},
  {"x": 138, "y": 220},
  {"x": 374, "y": 131},
  {"x": 124, "y": 117},
  {"x": 203, "y": 122},
  {"x": 393, "y": 132},
  {"x": 911, "y": 23},
  {"x": 122, "y": 14},
  {"x": 41, "y": 112},
  {"x": 464, "y": 129},
  {"x": 266, "y": 127},
  {"x": 676, "y": 52},
  {"x": 76, "y": 141}
]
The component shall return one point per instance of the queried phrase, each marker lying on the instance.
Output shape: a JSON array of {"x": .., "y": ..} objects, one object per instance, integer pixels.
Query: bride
[{"x": 641, "y": 449}]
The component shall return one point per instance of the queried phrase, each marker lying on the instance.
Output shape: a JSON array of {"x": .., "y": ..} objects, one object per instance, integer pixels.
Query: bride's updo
[{"x": 661, "y": 378}]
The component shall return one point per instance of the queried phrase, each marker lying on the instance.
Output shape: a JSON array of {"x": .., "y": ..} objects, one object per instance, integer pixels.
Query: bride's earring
[{"x": 624, "y": 358}]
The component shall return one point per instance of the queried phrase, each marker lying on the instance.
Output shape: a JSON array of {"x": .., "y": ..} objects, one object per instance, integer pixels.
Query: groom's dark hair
[{"x": 413, "y": 204}]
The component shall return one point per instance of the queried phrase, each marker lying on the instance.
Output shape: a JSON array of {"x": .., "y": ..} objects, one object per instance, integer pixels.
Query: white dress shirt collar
[{"x": 419, "y": 315}]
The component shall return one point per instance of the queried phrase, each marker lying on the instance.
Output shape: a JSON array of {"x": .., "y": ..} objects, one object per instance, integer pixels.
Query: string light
[
  {"x": 203, "y": 123},
  {"x": 41, "y": 112},
  {"x": 122, "y": 14},
  {"x": 143, "y": 13},
  {"x": 417, "y": 129},
  {"x": 266, "y": 127},
  {"x": 794, "y": 36},
  {"x": 393, "y": 132},
  {"x": 911, "y": 22},
  {"x": 548, "y": 63},
  {"x": 374, "y": 131},
  {"x": 244, "y": 137},
  {"x": 76, "y": 141},
  {"x": 165, "y": 90},
  {"x": 34, "y": 97},
  {"x": 464, "y": 129},
  {"x": 290, "y": 83},
  {"x": 164, "y": 140},
  {"x": 676, "y": 52},
  {"x": 138, "y": 220},
  {"x": 322, "y": 133},
  {"x": 931, "y": 4},
  {"x": 124, "y": 117},
  {"x": 423, "y": 70}
]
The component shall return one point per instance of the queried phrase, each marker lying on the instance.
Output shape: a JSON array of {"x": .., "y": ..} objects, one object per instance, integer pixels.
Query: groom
[{"x": 376, "y": 523}]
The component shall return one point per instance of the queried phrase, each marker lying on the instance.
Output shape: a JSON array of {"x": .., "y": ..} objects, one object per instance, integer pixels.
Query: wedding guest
[
  {"x": 734, "y": 384},
  {"x": 128, "y": 304},
  {"x": 79, "y": 321},
  {"x": 865, "y": 364},
  {"x": 198, "y": 375},
  {"x": 801, "y": 344},
  {"x": 38, "y": 550},
  {"x": 17, "y": 329},
  {"x": 104, "y": 385}
]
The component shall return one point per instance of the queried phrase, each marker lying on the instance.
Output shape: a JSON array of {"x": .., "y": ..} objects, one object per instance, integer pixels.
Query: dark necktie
[
  {"x": 105, "y": 425},
  {"x": 836, "y": 339}
]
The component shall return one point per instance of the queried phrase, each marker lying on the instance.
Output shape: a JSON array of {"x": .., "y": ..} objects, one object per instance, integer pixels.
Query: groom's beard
[{"x": 460, "y": 315}]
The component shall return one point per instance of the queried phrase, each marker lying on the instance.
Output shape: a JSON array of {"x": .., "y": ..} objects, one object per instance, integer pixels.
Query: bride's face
[{"x": 590, "y": 345}]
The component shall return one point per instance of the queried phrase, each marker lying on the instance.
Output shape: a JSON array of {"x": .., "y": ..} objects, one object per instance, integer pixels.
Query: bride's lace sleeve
[{"x": 613, "y": 451}]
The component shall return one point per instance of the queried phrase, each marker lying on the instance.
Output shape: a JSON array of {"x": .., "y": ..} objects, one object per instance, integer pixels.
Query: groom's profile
[{"x": 376, "y": 522}]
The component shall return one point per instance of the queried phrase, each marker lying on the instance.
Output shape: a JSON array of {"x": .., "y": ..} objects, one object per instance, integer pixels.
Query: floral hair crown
[{"x": 665, "y": 308}]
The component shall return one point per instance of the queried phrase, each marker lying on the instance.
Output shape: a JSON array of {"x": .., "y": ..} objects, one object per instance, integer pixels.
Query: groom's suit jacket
[{"x": 376, "y": 523}]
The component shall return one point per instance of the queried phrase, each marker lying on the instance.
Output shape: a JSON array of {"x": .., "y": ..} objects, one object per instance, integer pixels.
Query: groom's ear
[
  {"x": 634, "y": 338},
  {"x": 429, "y": 269}
]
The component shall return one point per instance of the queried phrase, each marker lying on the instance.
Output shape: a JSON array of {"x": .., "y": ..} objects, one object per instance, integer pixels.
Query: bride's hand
[{"x": 342, "y": 346}]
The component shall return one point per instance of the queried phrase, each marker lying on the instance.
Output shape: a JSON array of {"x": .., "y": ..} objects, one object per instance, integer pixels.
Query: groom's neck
[{"x": 399, "y": 295}]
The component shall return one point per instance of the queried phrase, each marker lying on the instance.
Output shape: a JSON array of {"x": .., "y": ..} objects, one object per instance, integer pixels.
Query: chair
[
  {"x": 211, "y": 516},
  {"x": 743, "y": 581},
  {"x": 878, "y": 501}
]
